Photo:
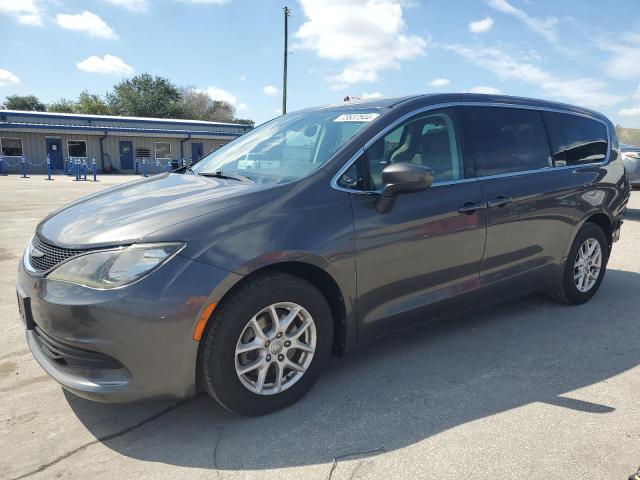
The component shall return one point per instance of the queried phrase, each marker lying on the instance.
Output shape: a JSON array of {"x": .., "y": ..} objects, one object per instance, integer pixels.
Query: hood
[{"x": 128, "y": 212}]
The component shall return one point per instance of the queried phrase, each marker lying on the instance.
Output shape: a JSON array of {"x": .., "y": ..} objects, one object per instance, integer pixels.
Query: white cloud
[
  {"x": 243, "y": 78},
  {"x": 107, "y": 65},
  {"x": 483, "y": 89},
  {"x": 355, "y": 75},
  {"x": 481, "y": 26},
  {"x": 338, "y": 86},
  {"x": 439, "y": 82},
  {"x": 26, "y": 12},
  {"x": 143, "y": 5},
  {"x": 584, "y": 91},
  {"x": 34, "y": 20},
  {"x": 630, "y": 112},
  {"x": 543, "y": 27},
  {"x": 8, "y": 78},
  {"x": 86, "y": 22},
  {"x": 206, "y": 2},
  {"x": 624, "y": 56},
  {"x": 366, "y": 36},
  {"x": 270, "y": 90},
  {"x": 221, "y": 95},
  {"x": 133, "y": 5}
]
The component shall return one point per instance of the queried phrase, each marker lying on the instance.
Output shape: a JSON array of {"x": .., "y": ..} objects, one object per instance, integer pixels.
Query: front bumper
[{"x": 125, "y": 344}]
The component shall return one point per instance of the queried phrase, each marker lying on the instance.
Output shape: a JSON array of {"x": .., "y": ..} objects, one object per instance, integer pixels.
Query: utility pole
[{"x": 287, "y": 14}]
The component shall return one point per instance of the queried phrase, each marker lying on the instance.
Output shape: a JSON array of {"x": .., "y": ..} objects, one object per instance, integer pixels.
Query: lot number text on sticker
[{"x": 357, "y": 117}]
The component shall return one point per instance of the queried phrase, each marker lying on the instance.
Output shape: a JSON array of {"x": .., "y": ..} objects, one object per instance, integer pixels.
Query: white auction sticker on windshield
[{"x": 357, "y": 117}]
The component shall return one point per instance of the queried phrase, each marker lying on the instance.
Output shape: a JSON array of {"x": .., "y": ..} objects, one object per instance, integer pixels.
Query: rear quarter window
[{"x": 576, "y": 140}]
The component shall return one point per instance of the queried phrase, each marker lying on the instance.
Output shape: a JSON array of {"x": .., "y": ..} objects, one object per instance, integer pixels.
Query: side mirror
[{"x": 399, "y": 178}]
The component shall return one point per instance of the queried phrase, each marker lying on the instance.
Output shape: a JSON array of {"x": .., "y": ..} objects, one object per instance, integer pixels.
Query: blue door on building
[
  {"x": 196, "y": 151},
  {"x": 126, "y": 155},
  {"x": 54, "y": 150}
]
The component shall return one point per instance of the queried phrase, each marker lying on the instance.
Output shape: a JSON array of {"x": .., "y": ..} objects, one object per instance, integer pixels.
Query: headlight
[{"x": 115, "y": 268}]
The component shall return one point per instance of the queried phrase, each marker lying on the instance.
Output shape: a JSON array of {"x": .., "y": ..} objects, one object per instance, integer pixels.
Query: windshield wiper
[{"x": 230, "y": 176}]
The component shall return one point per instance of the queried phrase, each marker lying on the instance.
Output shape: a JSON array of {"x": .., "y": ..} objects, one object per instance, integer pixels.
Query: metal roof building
[{"x": 116, "y": 143}]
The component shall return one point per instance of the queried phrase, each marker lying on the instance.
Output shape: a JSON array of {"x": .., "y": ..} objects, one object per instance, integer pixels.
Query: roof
[
  {"x": 113, "y": 118},
  {"x": 105, "y": 124},
  {"x": 377, "y": 102},
  {"x": 433, "y": 98},
  {"x": 102, "y": 130}
]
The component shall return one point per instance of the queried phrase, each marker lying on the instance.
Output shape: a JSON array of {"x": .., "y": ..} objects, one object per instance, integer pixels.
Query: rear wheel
[
  {"x": 585, "y": 266},
  {"x": 266, "y": 344}
]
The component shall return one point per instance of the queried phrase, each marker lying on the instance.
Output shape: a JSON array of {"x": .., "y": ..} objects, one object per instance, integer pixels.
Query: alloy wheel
[
  {"x": 275, "y": 348},
  {"x": 588, "y": 263}
]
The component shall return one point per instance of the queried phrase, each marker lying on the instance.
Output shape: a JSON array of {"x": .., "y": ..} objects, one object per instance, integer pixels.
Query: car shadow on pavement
[{"x": 404, "y": 388}]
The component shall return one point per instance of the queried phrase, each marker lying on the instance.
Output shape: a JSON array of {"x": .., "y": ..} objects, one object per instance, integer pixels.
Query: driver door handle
[
  {"x": 500, "y": 201},
  {"x": 470, "y": 207}
]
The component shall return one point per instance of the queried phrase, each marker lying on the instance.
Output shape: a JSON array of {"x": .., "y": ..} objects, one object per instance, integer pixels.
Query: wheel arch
[
  {"x": 319, "y": 278},
  {"x": 605, "y": 223},
  {"x": 600, "y": 218},
  {"x": 329, "y": 288}
]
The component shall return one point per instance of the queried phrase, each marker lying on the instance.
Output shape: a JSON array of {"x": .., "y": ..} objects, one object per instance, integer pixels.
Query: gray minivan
[{"x": 313, "y": 233}]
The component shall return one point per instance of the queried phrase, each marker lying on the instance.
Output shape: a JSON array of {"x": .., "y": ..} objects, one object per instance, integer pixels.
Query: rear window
[
  {"x": 508, "y": 140},
  {"x": 575, "y": 139}
]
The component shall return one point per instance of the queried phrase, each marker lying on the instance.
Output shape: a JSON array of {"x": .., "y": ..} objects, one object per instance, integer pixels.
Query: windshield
[{"x": 288, "y": 147}]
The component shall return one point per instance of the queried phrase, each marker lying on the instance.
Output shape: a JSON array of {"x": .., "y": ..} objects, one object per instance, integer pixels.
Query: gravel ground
[{"x": 529, "y": 389}]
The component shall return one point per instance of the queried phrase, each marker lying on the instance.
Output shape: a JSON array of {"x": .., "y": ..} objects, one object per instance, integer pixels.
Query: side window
[
  {"x": 576, "y": 140},
  {"x": 429, "y": 139},
  {"x": 508, "y": 140},
  {"x": 379, "y": 156},
  {"x": 353, "y": 178}
]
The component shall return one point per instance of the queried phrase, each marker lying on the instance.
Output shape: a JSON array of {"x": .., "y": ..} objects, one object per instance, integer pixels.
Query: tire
[
  {"x": 566, "y": 290},
  {"x": 221, "y": 364}
]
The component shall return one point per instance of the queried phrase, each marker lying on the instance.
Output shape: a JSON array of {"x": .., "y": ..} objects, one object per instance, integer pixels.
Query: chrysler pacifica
[{"x": 313, "y": 233}]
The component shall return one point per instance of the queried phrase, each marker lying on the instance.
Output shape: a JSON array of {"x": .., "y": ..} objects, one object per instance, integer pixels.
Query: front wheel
[
  {"x": 267, "y": 344},
  {"x": 584, "y": 268}
]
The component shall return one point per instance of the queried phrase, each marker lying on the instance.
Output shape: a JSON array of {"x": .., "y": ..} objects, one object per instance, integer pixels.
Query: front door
[
  {"x": 530, "y": 203},
  {"x": 196, "y": 152},
  {"x": 126, "y": 155},
  {"x": 422, "y": 258},
  {"x": 54, "y": 151}
]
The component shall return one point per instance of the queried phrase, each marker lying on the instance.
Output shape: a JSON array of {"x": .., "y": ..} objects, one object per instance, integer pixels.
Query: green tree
[
  {"x": 28, "y": 102},
  {"x": 221, "y": 112},
  {"x": 145, "y": 96},
  {"x": 62, "y": 106},
  {"x": 90, "y": 103},
  {"x": 245, "y": 121},
  {"x": 630, "y": 136},
  {"x": 197, "y": 105}
]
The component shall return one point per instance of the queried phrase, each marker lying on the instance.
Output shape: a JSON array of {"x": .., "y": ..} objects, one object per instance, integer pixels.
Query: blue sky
[{"x": 584, "y": 52}]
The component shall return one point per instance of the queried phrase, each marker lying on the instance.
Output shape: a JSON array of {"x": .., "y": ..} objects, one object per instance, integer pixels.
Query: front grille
[
  {"x": 67, "y": 355},
  {"x": 52, "y": 255}
]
